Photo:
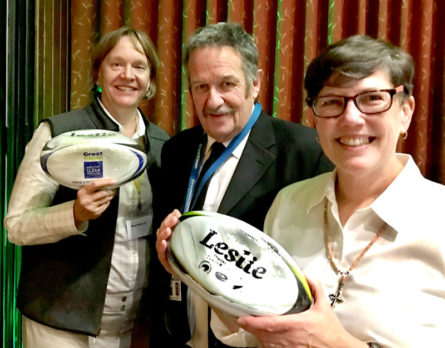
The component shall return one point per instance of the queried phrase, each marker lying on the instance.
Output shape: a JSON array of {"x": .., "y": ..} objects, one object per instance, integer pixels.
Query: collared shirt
[
  {"x": 129, "y": 256},
  {"x": 396, "y": 294},
  {"x": 221, "y": 178},
  {"x": 218, "y": 184},
  {"x": 32, "y": 220}
]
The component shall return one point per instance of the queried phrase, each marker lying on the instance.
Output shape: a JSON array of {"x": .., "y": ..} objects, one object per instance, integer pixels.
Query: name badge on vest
[
  {"x": 138, "y": 227},
  {"x": 175, "y": 290}
]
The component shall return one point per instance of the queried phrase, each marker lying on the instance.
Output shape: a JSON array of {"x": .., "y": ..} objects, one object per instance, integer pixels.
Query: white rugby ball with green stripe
[{"x": 236, "y": 267}]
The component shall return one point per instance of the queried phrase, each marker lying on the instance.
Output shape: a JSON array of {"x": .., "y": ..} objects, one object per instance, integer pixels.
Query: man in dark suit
[{"x": 260, "y": 156}]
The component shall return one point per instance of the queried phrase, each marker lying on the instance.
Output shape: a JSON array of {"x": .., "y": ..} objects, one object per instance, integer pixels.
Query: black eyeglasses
[{"x": 369, "y": 102}]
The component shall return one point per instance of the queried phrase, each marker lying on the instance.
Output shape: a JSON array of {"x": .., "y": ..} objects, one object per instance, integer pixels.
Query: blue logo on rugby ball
[{"x": 93, "y": 169}]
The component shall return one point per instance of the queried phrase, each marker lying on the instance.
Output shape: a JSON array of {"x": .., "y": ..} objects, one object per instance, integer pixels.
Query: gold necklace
[{"x": 337, "y": 296}]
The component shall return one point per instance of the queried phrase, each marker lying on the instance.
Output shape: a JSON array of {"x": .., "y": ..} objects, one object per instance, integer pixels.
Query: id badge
[
  {"x": 138, "y": 227},
  {"x": 175, "y": 290}
]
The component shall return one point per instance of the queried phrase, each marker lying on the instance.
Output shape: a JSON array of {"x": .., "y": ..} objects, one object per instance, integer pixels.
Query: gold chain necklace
[{"x": 337, "y": 296}]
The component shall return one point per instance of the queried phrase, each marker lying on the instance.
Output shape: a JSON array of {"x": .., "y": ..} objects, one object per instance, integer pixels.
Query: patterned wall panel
[
  {"x": 265, "y": 18},
  {"x": 83, "y": 37},
  {"x": 169, "y": 78},
  {"x": 420, "y": 45},
  {"x": 289, "y": 33}
]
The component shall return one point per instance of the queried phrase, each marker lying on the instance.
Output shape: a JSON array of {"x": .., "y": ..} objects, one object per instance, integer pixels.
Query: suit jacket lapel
[{"x": 256, "y": 158}]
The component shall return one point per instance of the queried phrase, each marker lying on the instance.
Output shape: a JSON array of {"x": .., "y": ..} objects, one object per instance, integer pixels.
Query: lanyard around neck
[{"x": 192, "y": 191}]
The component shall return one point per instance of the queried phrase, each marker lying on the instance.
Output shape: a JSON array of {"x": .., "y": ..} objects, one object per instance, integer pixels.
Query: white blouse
[{"x": 396, "y": 294}]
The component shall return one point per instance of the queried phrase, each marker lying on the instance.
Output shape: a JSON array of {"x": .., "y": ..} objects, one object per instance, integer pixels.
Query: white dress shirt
[
  {"x": 221, "y": 178},
  {"x": 396, "y": 294},
  {"x": 198, "y": 308},
  {"x": 32, "y": 220}
]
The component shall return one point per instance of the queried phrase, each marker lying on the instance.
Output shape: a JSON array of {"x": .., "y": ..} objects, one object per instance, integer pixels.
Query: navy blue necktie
[{"x": 217, "y": 150}]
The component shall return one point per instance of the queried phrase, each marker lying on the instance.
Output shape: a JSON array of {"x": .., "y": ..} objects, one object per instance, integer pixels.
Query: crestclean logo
[
  {"x": 90, "y": 154},
  {"x": 93, "y": 156},
  {"x": 93, "y": 169}
]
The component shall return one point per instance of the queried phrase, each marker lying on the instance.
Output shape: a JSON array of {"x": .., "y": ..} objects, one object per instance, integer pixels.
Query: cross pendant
[{"x": 337, "y": 296}]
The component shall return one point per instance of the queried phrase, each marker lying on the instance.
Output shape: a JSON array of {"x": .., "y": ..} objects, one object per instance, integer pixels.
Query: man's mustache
[{"x": 222, "y": 110}]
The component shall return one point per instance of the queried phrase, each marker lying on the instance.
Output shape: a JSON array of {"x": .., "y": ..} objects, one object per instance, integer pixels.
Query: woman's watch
[{"x": 373, "y": 345}]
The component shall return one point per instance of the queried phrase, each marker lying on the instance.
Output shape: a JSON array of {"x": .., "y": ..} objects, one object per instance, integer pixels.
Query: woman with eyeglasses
[{"x": 370, "y": 236}]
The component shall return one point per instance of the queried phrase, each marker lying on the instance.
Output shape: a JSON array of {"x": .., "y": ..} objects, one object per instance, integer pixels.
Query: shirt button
[
  {"x": 122, "y": 307},
  {"x": 124, "y": 298}
]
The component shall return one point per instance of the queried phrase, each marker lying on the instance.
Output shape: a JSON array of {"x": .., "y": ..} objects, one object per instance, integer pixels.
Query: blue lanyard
[{"x": 221, "y": 159}]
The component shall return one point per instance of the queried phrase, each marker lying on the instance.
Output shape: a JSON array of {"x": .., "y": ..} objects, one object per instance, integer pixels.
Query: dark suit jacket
[{"x": 277, "y": 153}]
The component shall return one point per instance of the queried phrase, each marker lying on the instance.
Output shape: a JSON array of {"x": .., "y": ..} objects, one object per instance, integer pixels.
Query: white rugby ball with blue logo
[
  {"x": 236, "y": 267},
  {"x": 75, "y": 158}
]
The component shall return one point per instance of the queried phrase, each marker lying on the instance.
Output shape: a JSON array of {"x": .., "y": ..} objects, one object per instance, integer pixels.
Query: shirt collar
[
  {"x": 237, "y": 152},
  {"x": 385, "y": 205},
  {"x": 390, "y": 206},
  {"x": 325, "y": 188},
  {"x": 140, "y": 131}
]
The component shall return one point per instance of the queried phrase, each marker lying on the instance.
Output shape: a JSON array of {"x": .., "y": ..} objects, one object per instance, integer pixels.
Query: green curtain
[{"x": 17, "y": 60}]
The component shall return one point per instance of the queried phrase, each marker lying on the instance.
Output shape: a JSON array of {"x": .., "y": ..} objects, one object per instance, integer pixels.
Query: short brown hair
[
  {"x": 109, "y": 40},
  {"x": 357, "y": 57}
]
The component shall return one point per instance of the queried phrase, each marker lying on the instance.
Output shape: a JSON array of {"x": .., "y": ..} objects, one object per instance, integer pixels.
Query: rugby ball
[
  {"x": 236, "y": 267},
  {"x": 75, "y": 158}
]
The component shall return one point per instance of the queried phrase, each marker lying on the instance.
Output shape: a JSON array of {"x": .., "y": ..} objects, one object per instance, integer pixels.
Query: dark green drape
[{"x": 16, "y": 94}]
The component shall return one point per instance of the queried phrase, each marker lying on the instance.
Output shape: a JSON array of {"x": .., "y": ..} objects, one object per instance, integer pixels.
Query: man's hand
[
  {"x": 92, "y": 200},
  {"x": 163, "y": 235}
]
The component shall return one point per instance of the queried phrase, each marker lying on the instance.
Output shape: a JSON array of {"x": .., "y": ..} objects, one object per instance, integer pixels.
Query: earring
[
  {"x": 405, "y": 135},
  {"x": 98, "y": 89}
]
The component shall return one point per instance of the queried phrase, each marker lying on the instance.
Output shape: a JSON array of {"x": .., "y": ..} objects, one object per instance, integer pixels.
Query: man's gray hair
[{"x": 225, "y": 34}]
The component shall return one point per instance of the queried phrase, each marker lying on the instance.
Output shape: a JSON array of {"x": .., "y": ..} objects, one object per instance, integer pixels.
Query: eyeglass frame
[{"x": 392, "y": 92}]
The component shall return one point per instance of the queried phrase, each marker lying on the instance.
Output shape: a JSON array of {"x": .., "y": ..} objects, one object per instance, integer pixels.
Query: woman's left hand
[
  {"x": 92, "y": 200},
  {"x": 316, "y": 327}
]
